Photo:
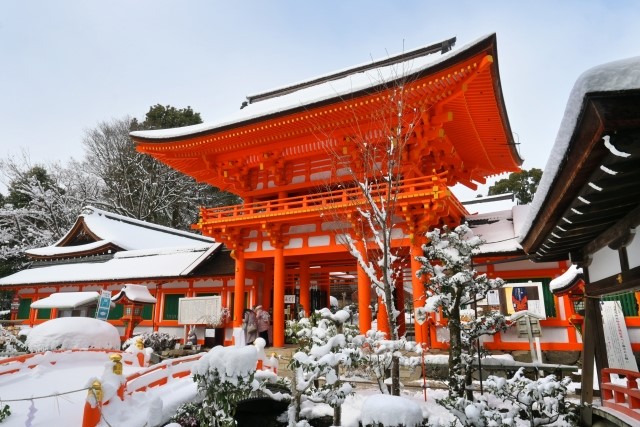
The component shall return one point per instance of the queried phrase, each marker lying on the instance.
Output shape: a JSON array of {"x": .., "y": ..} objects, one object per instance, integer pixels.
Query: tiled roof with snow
[
  {"x": 124, "y": 232},
  {"x": 66, "y": 300},
  {"x": 136, "y": 293},
  {"x": 122, "y": 266},
  {"x": 497, "y": 229},
  {"x": 314, "y": 94},
  {"x": 611, "y": 77}
]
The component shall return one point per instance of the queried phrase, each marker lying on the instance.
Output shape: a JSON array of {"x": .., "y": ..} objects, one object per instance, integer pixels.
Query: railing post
[
  {"x": 93, "y": 406},
  {"x": 117, "y": 370}
]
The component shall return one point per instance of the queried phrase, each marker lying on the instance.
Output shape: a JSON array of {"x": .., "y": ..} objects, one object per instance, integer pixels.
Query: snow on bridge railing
[
  {"x": 31, "y": 360},
  {"x": 624, "y": 398}
]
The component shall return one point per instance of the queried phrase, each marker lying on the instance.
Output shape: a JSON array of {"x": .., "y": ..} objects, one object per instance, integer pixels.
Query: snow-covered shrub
[
  {"x": 387, "y": 411},
  {"x": 187, "y": 415},
  {"x": 158, "y": 341},
  {"x": 324, "y": 347},
  {"x": 9, "y": 343},
  {"x": 375, "y": 355},
  {"x": 538, "y": 402},
  {"x": 73, "y": 332},
  {"x": 224, "y": 376}
]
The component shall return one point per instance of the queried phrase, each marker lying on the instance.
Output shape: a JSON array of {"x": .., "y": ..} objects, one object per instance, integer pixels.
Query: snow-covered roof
[
  {"x": 124, "y": 232},
  {"x": 566, "y": 279},
  {"x": 66, "y": 300},
  {"x": 135, "y": 293},
  {"x": 611, "y": 77},
  {"x": 498, "y": 229},
  {"x": 142, "y": 264},
  {"x": 315, "y": 94},
  {"x": 487, "y": 204}
]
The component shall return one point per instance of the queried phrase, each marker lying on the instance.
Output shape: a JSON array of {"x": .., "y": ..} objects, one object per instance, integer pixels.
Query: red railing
[
  {"x": 31, "y": 360},
  {"x": 621, "y": 398},
  {"x": 409, "y": 190}
]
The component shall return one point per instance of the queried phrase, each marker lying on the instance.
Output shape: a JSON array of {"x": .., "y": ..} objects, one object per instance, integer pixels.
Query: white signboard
[
  {"x": 616, "y": 337},
  {"x": 199, "y": 310},
  {"x": 289, "y": 299}
]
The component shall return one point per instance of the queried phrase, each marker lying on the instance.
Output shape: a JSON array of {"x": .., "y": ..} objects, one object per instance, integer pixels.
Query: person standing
[
  {"x": 249, "y": 326},
  {"x": 263, "y": 323}
]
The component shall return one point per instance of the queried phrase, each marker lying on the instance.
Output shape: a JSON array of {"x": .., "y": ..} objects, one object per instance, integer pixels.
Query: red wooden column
[
  {"x": 364, "y": 296},
  {"x": 278, "y": 296},
  {"x": 418, "y": 292},
  {"x": 399, "y": 300},
  {"x": 238, "y": 300},
  {"x": 305, "y": 287},
  {"x": 383, "y": 321}
]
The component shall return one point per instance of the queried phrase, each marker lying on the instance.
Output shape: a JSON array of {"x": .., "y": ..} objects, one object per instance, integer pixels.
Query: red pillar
[
  {"x": 383, "y": 321},
  {"x": 238, "y": 300},
  {"x": 399, "y": 299},
  {"x": 278, "y": 297},
  {"x": 364, "y": 296},
  {"x": 305, "y": 287},
  {"x": 418, "y": 292}
]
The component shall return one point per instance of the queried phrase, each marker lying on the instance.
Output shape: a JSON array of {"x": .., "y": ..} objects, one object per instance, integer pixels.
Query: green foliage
[
  {"x": 187, "y": 415},
  {"x": 4, "y": 412},
  {"x": 523, "y": 184},
  {"x": 161, "y": 117},
  {"x": 19, "y": 198}
]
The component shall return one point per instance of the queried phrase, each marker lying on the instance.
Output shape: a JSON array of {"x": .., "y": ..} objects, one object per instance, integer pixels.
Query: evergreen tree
[
  {"x": 451, "y": 285},
  {"x": 523, "y": 184}
]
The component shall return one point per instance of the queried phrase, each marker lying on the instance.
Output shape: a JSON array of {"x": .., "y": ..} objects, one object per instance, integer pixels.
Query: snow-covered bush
[
  {"x": 537, "y": 402},
  {"x": 224, "y": 376},
  {"x": 375, "y": 355},
  {"x": 158, "y": 341},
  {"x": 73, "y": 332},
  {"x": 515, "y": 402},
  {"x": 324, "y": 347},
  {"x": 9, "y": 343},
  {"x": 187, "y": 415}
]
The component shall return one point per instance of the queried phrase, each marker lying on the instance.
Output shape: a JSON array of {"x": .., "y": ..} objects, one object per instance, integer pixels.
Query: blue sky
[{"x": 67, "y": 65}]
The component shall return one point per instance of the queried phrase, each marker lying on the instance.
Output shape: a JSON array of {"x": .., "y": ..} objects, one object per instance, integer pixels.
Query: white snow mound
[{"x": 67, "y": 333}]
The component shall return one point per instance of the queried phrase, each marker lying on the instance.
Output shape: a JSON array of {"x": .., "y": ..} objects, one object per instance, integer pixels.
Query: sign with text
[
  {"x": 616, "y": 336},
  {"x": 289, "y": 299},
  {"x": 104, "y": 305},
  {"x": 199, "y": 310}
]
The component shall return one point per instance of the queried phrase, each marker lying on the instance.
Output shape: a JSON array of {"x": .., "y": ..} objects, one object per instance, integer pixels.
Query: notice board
[{"x": 198, "y": 310}]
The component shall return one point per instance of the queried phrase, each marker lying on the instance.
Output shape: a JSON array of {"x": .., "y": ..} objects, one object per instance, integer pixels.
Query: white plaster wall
[
  {"x": 633, "y": 250},
  {"x": 315, "y": 241},
  {"x": 175, "y": 285},
  {"x": 634, "y": 334},
  {"x": 208, "y": 283},
  {"x": 300, "y": 229},
  {"x": 548, "y": 335},
  {"x": 294, "y": 243},
  {"x": 253, "y": 246},
  {"x": 524, "y": 265},
  {"x": 605, "y": 263}
]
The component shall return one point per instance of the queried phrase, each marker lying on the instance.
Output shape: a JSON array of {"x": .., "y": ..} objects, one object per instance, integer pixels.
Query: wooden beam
[
  {"x": 625, "y": 281},
  {"x": 619, "y": 232}
]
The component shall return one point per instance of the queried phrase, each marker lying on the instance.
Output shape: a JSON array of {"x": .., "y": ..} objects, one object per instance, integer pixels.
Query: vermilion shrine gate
[{"x": 286, "y": 154}]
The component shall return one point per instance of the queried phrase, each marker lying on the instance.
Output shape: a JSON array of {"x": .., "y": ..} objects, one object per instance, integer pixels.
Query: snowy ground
[{"x": 74, "y": 371}]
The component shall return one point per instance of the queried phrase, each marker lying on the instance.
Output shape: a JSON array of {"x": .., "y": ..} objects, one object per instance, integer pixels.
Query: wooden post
[
  {"x": 305, "y": 287},
  {"x": 278, "y": 296},
  {"x": 238, "y": 301}
]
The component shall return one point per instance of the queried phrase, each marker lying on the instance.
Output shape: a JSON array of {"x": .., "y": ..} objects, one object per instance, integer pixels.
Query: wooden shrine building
[
  {"x": 289, "y": 153},
  {"x": 587, "y": 208}
]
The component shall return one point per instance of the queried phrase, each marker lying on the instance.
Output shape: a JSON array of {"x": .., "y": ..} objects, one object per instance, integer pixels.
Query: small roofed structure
[
  {"x": 133, "y": 297},
  {"x": 70, "y": 304}
]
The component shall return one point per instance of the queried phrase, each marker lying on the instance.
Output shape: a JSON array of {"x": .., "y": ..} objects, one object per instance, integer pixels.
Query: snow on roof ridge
[
  {"x": 290, "y": 101},
  {"x": 91, "y": 210},
  {"x": 424, "y": 50},
  {"x": 161, "y": 251},
  {"x": 601, "y": 78},
  {"x": 61, "y": 250}
]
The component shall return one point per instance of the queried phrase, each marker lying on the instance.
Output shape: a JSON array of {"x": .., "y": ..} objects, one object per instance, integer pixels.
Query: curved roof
[
  {"x": 464, "y": 83},
  {"x": 99, "y": 232}
]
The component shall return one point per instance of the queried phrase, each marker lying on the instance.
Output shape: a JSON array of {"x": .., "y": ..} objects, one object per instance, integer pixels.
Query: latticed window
[
  {"x": 44, "y": 313},
  {"x": 627, "y": 301},
  {"x": 171, "y": 304},
  {"x": 24, "y": 308}
]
